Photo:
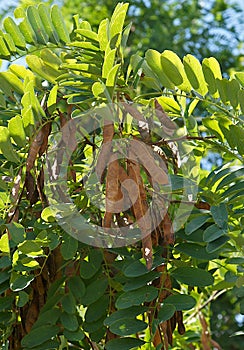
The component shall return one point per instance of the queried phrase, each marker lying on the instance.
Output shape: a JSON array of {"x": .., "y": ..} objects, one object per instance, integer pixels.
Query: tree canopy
[{"x": 112, "y": 235}]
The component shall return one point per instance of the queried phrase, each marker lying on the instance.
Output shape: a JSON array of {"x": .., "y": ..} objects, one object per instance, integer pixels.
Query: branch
[{"x": 212, "y": 297}]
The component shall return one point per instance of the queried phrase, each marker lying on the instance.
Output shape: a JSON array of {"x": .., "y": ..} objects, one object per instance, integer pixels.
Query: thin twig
[{"x": 212, "y": 297}]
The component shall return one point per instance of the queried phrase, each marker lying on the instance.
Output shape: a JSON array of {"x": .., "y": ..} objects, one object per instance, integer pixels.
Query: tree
[
  {"x": 202, "y": 28},
  {"x": 111, "y": 233}
]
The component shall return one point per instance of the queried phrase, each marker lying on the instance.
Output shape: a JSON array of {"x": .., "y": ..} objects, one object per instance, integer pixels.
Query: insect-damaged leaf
[{"x": 127, "y": 326}]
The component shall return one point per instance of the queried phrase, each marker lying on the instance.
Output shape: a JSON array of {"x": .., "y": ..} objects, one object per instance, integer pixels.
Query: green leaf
[
  {"x": 6, "y": 146},
  {"x": 69, "y": 247},
  {"x": 220, "y": 214},
  {"x": 68, "y": 303},
  {"x": 4, "y": 244},
  {"x": 6, "y": 302},
  {"x": 23, "y": 299},
  {"x": 169, "y": 104},
  {"x": 240, "y": 77},
  {"x": 233, "y": 174},
  {"x": 241, "y": 99},
  {"x": 21, "y": 72},
  {"x": 11, "y": 27},
  {"x": 174, "y": 69},
  {"x": 216, "y": 244},
  {"x": 5, "y": 260},
  {"x": 16, "y": 231},
  {"x": 237, "y": 132},
  {"x": 86, "y": 45},
  {"x": 181, "y": 301},
  {"x": 193, "y": 276},
  {"x": 153, "y": 58},
  {"x": 98, "y": 89},
  {"x": 48, "y": 214},
  {"x": 5, "y": 317},
  {"x": 213, "y": 125},
  {"x": 125, "y": 36},
  {"x": 98, "y": 309},
  {"x": 16, "y": 130},
  {"x": 195, "y": 250},
  {"x": 4, "y": 51},
  {"x": 94, "y": 291},
  {"x": 48, "y": 345},
  {"x": 195, "y": 75},
  {"x": 69, "y": 321},
  {"x": 211, "y": 71},
  {"x": 138, "y": 267},
  {"x": 237, "y": 261},
  {"x": 165, "y": 312},
  {"x": 127, "y": 326},
  {"x": 48, "y": 24},
  {"x": 222, "y": 86},
  {"x": 89, "y": 34},
  {"x": 126, "y": 343},
  {"x": 233, "y": 89},
  {"x": 38, "y": 66},
  {"x": 59, "y": 24},
  {"x": 103, "y": 31},
  {"x": 98, "y": 335},
  {"x": 39, "y": 335},
  {"x": 74, "y": 336},
  {"x": 95, "y": 326},
  {"x": 77, "y": 287},
  {"x": 213, "y": 232},
  {"x": 131, "y": 312},
  {"x": 48, "y": 317},
  {"x": 112, "y": 76},
  {"x": 50, "y": 59},
  {"x": 4, "y": 276},
  {"x": 25, "y": 26},
  {"x": 140, "y": 281},
  {"x": 117, "y": 23},
  {"x": 52, "y": 99},
  {"x": 196, "y": 223},
  {"x": 19, "y": 282},
  {"x": 89, "y": 268},
  {"x": 10, "y": 43},
  {"x": 136, "y": 297},
  {"x": 139, "y": 66},
  {"x": 15, "y": 83},
  {"x": 31, "y": 248},
  {"x": 37, "y": 25}
]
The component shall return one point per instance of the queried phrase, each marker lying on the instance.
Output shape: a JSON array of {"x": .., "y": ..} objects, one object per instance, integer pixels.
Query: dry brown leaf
[
  {"x": 205, "y": 335},
  {"x": 46, "y": 129},
  {"x": 168, "y": 231},
  {"x": 140, "y": 209},
  {"x": 169, "y": 127},
  {"x": 38, "y": 144},
  {"x": 105, "y": 150},
  {"x": 129, "y": 108},
  {"x": 15, "y": 198},
  {"x": 202, "y": 205},
  {"x": 145, "y": 156},
  {"x": 179, "y": 319},
  {"x": 31, "y": 189},
  {"x": 163, "y": 328},
  {"x": 157, "y": 339}
]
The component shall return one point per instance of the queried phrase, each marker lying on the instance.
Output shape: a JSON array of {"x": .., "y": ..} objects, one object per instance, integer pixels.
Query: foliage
[
  {"x": 58, "y": 291},
  {"x": 202, "y": 28}
]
